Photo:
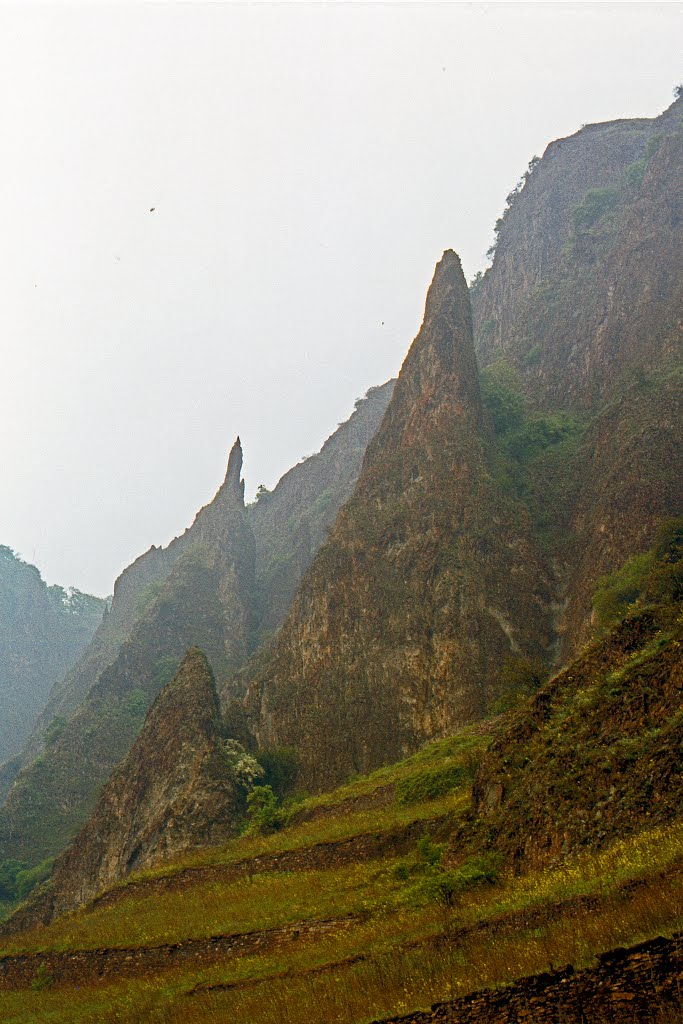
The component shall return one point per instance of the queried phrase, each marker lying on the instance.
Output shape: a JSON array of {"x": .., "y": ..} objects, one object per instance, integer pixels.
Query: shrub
[
  {"x": 431, "y": 783},
  {"x": 54, "y": 730},
  {"x": 28, "y": 878},
  {"x": 502, "y": 395},
  {"x": 43, "y": 979},
  {"x": 245, "y": 770},
  {"x": 540, "y": 432},
  {"x": 635, "y": 172},
  {"x": 136, "y": 703},
  {"x": 429, "y": 853},
  {"x": 666, "y": 579},
  {"x": 443, "y": 886},
  {"x": 593, "y": 206},
  {"x": 262, "y": 810},
  {"x": 280, "y": 769},
  {"x": 519, "y": 678},
  {"x": 9, "y": 869},
  {"x": 656, "y": 575}
]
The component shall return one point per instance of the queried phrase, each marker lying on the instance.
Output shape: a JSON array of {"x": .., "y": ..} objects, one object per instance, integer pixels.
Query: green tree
[{"x": 262, "y": 809}]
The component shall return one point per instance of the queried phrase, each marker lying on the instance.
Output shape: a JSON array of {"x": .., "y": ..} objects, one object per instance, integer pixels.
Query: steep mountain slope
[
  {"x": 288, "y": 525},
  {"x": 206, "y": 599},
  {"x": 349, "y": 913},
  {"x": 291, "y": 523},
  {"x": 399, "y": 627},
  {"x": 597, "y": 753},
  {"x": 171, "y": 792},
  {"x": 585, "y": 282},
  {"x": 582, "y": 308},
  {"x": 43, "y": 630},
  {"x": 221, "y": 585}
]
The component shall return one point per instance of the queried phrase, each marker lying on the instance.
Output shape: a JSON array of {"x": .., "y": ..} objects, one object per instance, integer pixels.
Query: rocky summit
[
  {"x": 430, "y": 576},
  {"x": 172, "y": 791}
]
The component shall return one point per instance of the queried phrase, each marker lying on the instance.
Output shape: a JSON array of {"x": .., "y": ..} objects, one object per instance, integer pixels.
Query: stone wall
[{"x": 639, "y": 985}]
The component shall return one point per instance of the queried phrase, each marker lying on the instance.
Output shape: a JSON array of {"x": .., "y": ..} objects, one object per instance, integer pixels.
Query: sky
[{"x": 222, "y": 219}]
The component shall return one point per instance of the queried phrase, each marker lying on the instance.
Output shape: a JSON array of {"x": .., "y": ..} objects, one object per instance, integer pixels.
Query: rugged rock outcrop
[
  {"x": 172, "y": 791},
  {"x": 586, "y": 278},
  {"x": 456, "y": 548},
  {"x": 292, "y": 522},
  {"x": 596, "y": 754},
  {"x": 223, "y": 585},
  {"x": 205, "y": 600},
  {"x": 43, "y": 630},
  {"x": 584, "y": 302},
  {"x": 428, "y": 580}
]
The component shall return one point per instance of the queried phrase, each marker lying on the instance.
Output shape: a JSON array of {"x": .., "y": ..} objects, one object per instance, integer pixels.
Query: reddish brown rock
[{"x": 428, "y": 580}]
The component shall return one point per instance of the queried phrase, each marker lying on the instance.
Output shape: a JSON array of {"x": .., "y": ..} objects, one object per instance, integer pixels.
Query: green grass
[
  {"x": 403, "y": 951},
  {"x": 398, "y": 973}
]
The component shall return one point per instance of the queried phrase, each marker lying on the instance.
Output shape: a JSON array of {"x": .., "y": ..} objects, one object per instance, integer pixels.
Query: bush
[
  {"x": 9, "y": 869},
  {"x": 594, "y": 205},
  {"x": 635, "y": 172},
  {"x": 429, "y": 853},
  {"x": 136, "y": 703},
  {"x": 656, "y": 575},
  {"x": 262, "y": 810},
  {"x": 245, "y": 770},
  {"x": 666, "y": 579},
  {"x": 54, "y": 730},
  {"x": 519, "y": 678},
  {"x": 43, "y": 979},
  {"x": 501, "y": 392},
  {"x": 28, "y": 878},
  {"x": 618, "y": 590},
  {"x": 280, "y": 769},
  {"x": 443, "y": 886},
  {"x": 540, "y": 432},
  {"x": 431, "y": 783}
]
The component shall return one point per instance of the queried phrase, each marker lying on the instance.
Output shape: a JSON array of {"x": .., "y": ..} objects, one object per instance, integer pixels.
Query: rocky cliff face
[
  {"x": 428, "y": 580},
  {"x": 596, "y": 753},
  {"x": 43, "y": 630},
  {"x": 141, "y": 583},
  {"x": 171, "y": 792},
  {"x": 205, "y": 599},
  {"x": 222, "y": 585},
  {"x": 586, "y": 282},
  {"x": 293, "y": 521},
  {"x": 584, "y": 303}
]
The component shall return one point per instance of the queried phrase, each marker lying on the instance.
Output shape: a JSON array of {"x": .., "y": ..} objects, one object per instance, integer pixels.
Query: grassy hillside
[
  {"x": 544, "y": 836},
  {"x": 357, "y": 916}
]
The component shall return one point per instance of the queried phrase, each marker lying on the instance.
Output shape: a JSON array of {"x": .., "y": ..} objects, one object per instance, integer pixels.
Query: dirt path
[
  {"x": 334, "y": 853},
  {"x": 86, "y": 966}
]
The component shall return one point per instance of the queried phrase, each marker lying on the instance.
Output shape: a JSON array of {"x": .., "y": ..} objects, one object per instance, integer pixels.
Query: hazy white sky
[{"x": 307, "y": 166}]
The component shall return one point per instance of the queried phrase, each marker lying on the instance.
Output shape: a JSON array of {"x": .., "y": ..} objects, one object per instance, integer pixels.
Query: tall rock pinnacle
[
  {"x": 444, "y": 343},
  {"x": 233, "y": 483},
  {"x": 171, "y": 792},
  {"x": 440, "y": 364},
  {"x": 400, "y": 626}
]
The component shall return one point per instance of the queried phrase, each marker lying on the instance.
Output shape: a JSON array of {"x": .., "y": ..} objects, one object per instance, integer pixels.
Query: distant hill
[{"x": 43, "y": 630}]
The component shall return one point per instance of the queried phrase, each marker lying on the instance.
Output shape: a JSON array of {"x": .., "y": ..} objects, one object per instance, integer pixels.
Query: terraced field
[{"x": 352, "y": 912}]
